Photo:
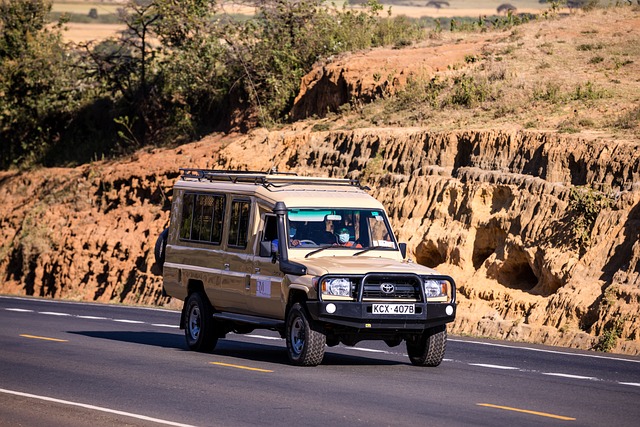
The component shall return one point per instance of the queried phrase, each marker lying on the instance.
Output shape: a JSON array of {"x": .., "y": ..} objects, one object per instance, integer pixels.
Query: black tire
[
  {"x": 199, "y": 326},
  {"x": 161, "y": 246},
  {"x": 305, "y": 346},
  {"x": 428, "y": 349}
]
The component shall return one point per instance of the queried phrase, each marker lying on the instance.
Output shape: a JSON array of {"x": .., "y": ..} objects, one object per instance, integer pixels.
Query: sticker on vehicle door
[{"x": 263, "y": 288}]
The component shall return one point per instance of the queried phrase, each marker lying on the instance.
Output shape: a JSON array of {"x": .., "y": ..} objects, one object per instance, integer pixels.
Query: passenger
[{"x": 343, "y": 239}]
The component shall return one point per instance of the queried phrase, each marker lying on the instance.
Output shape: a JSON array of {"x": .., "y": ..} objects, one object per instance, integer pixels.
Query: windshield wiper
[
  {"x": 322, "y": 248},
  {"x": 372, "y": 248}
]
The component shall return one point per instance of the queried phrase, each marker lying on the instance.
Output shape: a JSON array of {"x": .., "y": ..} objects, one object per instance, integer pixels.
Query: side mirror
[{"x": 403, "y": 249}]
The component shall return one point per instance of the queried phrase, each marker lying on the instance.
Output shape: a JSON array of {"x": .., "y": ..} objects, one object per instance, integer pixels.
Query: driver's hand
[{"x": 295, "y": 242}]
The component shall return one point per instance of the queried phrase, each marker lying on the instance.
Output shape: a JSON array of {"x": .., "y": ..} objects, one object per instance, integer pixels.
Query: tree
[
  {"x": 37, "y": 83},
  {"x": 20, "y": 22},
  {"x": 166, "y": 70}
]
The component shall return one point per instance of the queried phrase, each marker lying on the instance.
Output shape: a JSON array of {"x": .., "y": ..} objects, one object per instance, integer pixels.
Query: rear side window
[
  {"x": 239, "y": 224},
  {"x": 202, "y": 218}
]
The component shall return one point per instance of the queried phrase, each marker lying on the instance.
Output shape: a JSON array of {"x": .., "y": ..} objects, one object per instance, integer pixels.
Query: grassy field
[
  {"x": 83, "y": 7},
  {"x": 82, "y": 28},
  {"x": 578, "y": 74},
  {"x": 413, "y": 7}
]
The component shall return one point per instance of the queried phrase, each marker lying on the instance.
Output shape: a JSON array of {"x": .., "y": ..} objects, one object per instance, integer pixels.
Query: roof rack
[{"x": 268, "y": 179}]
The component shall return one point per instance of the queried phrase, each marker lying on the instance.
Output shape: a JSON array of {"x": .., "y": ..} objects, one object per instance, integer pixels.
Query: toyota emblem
[{"x": 387, "y": 288}]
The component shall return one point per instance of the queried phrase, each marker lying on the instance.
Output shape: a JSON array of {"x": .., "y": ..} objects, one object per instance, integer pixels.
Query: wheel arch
[
  {"x": 296, "y": 295},
  {"x": 193, "y": 285}
]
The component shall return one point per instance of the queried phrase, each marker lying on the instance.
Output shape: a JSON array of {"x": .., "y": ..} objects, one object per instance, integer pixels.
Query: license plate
[{"x": 393, "y": 309}]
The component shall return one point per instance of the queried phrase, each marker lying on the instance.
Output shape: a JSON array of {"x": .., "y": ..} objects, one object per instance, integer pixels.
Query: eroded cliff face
[{"x": 490, "y": 208}]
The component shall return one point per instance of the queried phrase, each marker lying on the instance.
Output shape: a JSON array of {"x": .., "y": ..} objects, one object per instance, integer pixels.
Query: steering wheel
[{"x": 307, "y": 242}]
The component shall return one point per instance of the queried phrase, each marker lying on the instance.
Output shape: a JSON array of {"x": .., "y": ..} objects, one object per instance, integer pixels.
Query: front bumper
[{"x": 358, "y": 315}]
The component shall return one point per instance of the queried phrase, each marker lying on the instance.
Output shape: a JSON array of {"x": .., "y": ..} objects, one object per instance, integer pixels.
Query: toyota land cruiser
[{"x": 314, "y": 259}]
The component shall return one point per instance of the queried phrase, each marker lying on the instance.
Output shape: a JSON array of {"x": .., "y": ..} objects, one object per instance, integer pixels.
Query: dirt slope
[{"x": 488, "y": 202}]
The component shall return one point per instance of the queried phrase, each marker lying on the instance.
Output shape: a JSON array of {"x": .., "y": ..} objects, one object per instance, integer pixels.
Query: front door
[{"x": 267, "y": 295}]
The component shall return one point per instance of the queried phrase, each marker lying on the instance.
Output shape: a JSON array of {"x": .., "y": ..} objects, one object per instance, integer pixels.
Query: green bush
[
  {"x": 38, "y": 82},
  {"x": 608, "y": 340},
  {"x": 550, "y": 92},
  {"x": 468, "y": 91},
  {"x": 587, "y": 92},
  {"x": 585, "y": 204},
  {"x": 629, "y": 119}
]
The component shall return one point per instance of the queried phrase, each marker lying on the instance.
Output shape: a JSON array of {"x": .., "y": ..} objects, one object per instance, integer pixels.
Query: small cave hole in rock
[
  {"x": 487, "y": 240},
  {"x": 516, "y": 273},
  {"x": 427, "y": 254}
]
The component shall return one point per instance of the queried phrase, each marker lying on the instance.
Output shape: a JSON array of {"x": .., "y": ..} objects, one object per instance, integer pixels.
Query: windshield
[{"x": 348, "y": 228}]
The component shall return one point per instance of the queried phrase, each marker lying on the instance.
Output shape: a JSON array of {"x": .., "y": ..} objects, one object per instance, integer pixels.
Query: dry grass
[
  {"x": 410, "y": 8},
  {"x": 540, "y": 75},
  {"x": 83, "y": 7}
]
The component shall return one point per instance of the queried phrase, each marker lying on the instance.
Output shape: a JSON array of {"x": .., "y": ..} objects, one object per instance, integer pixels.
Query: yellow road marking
[
  {"x": 248, "y": 368},
  {"x": 526, "y": 411},
  {"x": 42, "y": 338}
]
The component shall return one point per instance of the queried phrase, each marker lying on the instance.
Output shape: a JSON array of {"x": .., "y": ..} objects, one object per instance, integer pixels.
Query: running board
[{"x": 262, "y": 322}]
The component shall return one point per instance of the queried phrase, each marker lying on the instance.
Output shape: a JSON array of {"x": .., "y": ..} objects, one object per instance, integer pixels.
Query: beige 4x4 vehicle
[{"x": 312, "y": 258}]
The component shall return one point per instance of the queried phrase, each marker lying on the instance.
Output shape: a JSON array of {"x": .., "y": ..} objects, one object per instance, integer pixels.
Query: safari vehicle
[{"x": 314, "y": 259}]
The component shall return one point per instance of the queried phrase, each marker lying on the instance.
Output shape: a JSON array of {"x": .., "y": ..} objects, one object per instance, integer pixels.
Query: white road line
[
  {"x": 564, "y": 353},
  {"x": 577, "y": 377},
  {"x": 632, "y": 384},
  {"x": 162, "y": 325},
  {"x": 484, "y": 365},
  {"x": 95, "y": 408},
  {"x": 56, "y": 313},
  {"x": 92, "y": 304}
]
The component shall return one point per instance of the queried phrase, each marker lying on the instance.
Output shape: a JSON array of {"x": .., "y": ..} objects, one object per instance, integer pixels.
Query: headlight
[
  {"x": 436, "y": 289},
  {"x": 339, "y": 287}
]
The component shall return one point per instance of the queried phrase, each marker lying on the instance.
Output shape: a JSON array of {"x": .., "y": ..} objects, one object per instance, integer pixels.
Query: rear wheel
[
  {"x": 428, "y": 349},
  {"x": 305, "y": 346},
  {"x": 199, "y": 329}
]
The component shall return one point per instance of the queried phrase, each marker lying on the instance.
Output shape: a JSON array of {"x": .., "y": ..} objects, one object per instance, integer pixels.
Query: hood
[{"x": 318, "y": 266}]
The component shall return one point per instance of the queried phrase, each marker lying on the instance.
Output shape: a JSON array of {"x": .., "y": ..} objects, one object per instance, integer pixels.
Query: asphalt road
[{"x": 77, "y": 364}]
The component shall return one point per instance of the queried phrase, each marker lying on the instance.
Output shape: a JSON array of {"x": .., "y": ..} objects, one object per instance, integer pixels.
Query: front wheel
[
  {"x": 428, "y": 349},
  {"x": 305, "y": 346},
  {"x": 199, "y": 329}
]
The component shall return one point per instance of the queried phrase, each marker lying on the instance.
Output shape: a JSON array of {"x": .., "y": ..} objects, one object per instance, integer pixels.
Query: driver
[
  {"x": 292, "y": 241},
  {"x": 292, "y": 232}
]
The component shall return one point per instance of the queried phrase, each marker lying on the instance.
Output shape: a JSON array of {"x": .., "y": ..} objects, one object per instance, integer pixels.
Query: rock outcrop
[{"x": 491, "y": 208}]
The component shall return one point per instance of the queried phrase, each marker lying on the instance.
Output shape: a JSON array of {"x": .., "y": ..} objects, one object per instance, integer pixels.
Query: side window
[
  {"x": 239, "y": 224},
  {"x": 187, "y": 216},
  {"x": 218, "y": 219},
  {"x": 379, "y": 232},
  {"x": 270, "y": 228},
  {"x": 202, "y": 217}
]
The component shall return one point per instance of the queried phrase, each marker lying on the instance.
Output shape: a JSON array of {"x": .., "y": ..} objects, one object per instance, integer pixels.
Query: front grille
[{"x": 404, "y": 287}]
